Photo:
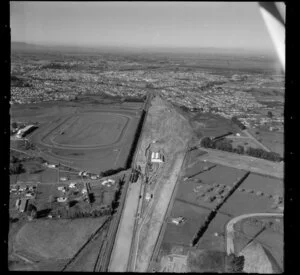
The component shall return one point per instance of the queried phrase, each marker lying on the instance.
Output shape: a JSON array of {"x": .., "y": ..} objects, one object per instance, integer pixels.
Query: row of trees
[
  {"x": 225, "y": 145},
  {"x": 76, "y": 212}
]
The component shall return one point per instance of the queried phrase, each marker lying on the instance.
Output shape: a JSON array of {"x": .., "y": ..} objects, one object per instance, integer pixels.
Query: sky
[{"x": 141, "y": 24}]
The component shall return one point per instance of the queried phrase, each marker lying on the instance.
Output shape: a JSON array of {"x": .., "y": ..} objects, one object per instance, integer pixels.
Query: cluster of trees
[
  {"x": 235, "y": 263},
  {"x": 236, "y": 121},
  {"x": 76, "y": 212},
  {"x": 225, "y": 145},
  {"x": 31, "y": 211},
  {"x": 15, "y": 166}
]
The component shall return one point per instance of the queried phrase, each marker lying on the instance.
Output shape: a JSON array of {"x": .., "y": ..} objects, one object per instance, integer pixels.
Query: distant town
[{"x": 255, "y": 98}]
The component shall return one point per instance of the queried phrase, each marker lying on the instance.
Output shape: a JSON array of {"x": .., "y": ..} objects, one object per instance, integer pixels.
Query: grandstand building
[{"x": 25, "y": 131}]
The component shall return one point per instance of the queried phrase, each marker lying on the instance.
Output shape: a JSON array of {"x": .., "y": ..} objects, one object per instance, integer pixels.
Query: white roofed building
[{"x": 157, "y": 157}]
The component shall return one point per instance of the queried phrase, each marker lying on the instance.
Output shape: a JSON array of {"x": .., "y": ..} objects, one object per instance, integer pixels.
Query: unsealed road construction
[
  {"x": 170, "y": 132},
  {"x": 121, "y": 250}
]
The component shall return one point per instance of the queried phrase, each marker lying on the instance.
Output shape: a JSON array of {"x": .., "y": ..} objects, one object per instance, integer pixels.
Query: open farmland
[
  {"x": 268, "y": 232},
  {"x": 267, "y": 185},
  {"x": 207, "y": 124},
  {"x": 245, "y": 201},
  {"x": 207, "y": 186},
  {"x": 273, "y": 140},
  {"x": 48, "y": 239},
  {"x": 245, "y": 142},
  {"x": 256, "y": 194},
  {"x": 183, "y": 234},
  {"x": 89, "y": 136}
]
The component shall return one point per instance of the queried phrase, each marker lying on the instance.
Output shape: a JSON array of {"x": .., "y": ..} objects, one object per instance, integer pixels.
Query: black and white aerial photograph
[{"x": 146, "y": 136}]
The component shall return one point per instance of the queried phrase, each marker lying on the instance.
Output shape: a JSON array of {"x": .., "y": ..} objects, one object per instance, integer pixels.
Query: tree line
[{"x": 225, "y": 145}]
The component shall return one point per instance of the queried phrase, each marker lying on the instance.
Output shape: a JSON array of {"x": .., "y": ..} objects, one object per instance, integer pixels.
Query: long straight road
[
  {"x": 122, "y": 247},
  {"x": 121, "y": 250}
]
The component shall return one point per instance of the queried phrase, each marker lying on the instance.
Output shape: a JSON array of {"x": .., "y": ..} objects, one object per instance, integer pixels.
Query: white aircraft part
[{"x": 277, "y": 32}]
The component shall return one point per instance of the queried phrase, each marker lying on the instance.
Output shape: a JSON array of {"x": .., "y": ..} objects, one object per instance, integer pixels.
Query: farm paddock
[
  {"x": 201, "y": 189},
  {"x": 49, "y": 244}
]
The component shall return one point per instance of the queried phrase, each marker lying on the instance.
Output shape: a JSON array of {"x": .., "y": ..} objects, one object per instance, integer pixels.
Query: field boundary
[{"x": 86, "y": 243}]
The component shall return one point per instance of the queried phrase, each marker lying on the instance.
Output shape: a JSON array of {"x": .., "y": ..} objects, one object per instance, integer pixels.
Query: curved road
[{"x": 230, "y": 230}]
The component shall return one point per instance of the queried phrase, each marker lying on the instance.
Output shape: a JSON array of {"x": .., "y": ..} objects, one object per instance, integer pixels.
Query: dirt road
[{"x": 120, "y": 254}]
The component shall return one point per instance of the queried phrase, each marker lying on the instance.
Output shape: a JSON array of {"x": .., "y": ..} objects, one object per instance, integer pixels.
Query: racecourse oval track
[{"x": 44, "y": 137}]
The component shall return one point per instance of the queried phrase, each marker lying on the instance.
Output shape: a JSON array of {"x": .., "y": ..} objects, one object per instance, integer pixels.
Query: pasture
[
  {"x": 55, "y": 239},
  {"x": 207, "y": 124},
  {"x": 183, "y": 234},
  {"x": 273, "y": 140}
]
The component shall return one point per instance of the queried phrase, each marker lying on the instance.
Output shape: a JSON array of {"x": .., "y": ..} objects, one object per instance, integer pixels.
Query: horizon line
[{"x": 129, "y": 46}]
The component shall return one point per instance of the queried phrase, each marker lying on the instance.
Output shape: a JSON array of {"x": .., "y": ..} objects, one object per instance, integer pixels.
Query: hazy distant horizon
[
  {"x": 152, "y": 48},
  {"x": 178, "y": 25}
]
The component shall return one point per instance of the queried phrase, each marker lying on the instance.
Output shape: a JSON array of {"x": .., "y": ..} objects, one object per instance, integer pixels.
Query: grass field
[
  {"x": 206, "y": 124},
  {"x": 55, "y": 239},
  {"x": 92, "y": 129},
  {"x": 271, "y": 239},
  {"x": 244, "y": 142},
  {"x": 273, "y": 140},
  {"x": 208, "y": 188},
  {"x": 267, "y": 185},
  {"x": 256, "y": 194},
  {"x": 183, "y": 234},
  {"x": 242, "y": 202}
]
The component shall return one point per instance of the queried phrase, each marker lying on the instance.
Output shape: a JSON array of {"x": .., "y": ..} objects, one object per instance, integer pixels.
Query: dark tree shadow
[{"x": 43, "y": 213}]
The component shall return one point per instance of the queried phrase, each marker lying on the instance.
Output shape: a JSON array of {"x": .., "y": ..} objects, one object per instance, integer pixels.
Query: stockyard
[
  {"x": 208, "y": 196},
  {"x": 78, "y": 141}
]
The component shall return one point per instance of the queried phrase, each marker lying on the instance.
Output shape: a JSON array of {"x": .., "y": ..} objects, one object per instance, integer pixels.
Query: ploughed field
[
  {"x": 87, "y": 136},
  {"x": 202, "y": 187}
]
